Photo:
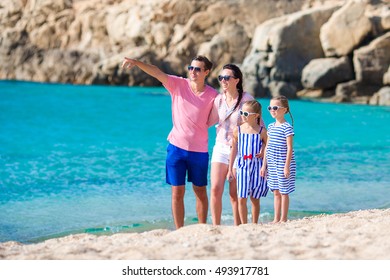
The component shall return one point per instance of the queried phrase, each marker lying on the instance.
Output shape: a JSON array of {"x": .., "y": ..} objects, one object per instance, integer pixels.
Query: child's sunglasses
[
  {"x": 274, "y": 108},
  {"x": 246, "y": 114}
]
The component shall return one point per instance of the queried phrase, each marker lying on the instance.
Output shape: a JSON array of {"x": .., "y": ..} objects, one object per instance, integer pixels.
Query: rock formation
[{"x": 334, "y": 49}]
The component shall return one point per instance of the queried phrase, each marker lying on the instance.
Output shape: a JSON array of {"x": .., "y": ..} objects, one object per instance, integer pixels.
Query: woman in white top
[{"x": 228, "y": 105}]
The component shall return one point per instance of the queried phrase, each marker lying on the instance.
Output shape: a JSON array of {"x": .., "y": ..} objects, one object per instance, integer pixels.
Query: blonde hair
[
  {"x": 256, "y": 107},
  {"x": 284, "y": 101}
]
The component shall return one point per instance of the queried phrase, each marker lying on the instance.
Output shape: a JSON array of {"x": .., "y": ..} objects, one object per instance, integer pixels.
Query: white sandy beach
[{"x": 359, "y": 235}]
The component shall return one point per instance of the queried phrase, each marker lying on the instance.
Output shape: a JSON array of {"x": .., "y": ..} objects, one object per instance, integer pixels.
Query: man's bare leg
[
  {"x": 178, "y": 205},
  {"x": 202, "y": 203}
]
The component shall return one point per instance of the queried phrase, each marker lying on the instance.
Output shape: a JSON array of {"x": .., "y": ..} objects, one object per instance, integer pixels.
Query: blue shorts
[{"x": 180, "y": 161}]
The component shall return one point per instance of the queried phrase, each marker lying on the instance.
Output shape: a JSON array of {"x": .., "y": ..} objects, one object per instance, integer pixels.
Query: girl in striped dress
[
  {"x": 279, "y": 162},
  {"x": 248, "y": 149}
]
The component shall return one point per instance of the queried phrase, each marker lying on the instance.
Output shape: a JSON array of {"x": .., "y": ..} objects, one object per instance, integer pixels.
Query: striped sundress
[
  {"x": 249, "y": 181},
  {"x": 276, "y": 158}
]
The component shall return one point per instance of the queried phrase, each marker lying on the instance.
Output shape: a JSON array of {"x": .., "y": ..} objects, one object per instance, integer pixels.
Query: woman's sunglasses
[
  {"x": 274, "y": 108},
  {"x": 194, "y": 68},
  {"x": 226, "y": 78},
  {"x": 246, "y": 114}
]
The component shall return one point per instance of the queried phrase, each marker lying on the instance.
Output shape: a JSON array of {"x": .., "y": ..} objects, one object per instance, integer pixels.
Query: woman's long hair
[{"x": 238, "y": 75}]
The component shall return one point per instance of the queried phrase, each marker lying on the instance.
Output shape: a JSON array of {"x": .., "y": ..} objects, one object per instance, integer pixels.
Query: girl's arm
[
  {"x": 263, "y": 170},
  {"x": 263, "y": 137},
  {"x": 233, "y": 153},
  {"x": 289, "y": 140}
]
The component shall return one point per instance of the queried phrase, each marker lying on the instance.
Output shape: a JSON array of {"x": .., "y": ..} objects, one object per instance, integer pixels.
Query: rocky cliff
[{"x": 303, "y": 48}]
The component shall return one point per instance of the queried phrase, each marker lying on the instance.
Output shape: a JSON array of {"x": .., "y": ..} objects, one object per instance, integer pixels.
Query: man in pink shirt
[{"x": 187, "y": 152}]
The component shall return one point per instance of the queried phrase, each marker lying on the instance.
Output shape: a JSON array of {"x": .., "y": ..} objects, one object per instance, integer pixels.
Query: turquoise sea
[{"x": 77, "y": 159}]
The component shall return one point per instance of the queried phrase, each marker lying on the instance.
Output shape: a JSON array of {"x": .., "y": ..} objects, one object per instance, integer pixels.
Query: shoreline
[
  {"x": 166, "y": 224},
  {"x": 356, "y": 235}
]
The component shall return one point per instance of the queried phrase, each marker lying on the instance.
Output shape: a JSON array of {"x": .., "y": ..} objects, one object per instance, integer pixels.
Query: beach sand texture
[{"x": 358, "y": 235}]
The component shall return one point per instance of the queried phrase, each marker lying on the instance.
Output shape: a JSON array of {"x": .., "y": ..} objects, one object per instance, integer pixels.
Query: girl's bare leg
[
  {"x": 277, "y": 206},
  {"x": 255, "y": 210},
  {"x": 234, "y": 201},
  {"x": 284, "y": 207},
  {"x": 243, "y": 210}
]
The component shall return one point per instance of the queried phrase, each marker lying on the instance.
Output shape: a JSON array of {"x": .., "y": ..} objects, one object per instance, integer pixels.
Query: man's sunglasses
[
  {"x": 226, "y": 78},
  {"x": 246, "y": 114},
  {"x": 274, "y": 108},
  {"x": 194, "y": 68}
]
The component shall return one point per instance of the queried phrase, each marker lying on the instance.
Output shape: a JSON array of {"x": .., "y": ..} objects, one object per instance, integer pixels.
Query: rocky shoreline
[{"x": 338, "y": 50}]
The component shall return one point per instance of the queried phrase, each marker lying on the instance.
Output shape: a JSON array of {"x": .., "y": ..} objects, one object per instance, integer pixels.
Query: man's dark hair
[{"x": 207, "y": 63}]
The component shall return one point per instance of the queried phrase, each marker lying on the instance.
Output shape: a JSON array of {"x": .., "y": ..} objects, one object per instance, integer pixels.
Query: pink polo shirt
[{"x": 190, "y": 114}]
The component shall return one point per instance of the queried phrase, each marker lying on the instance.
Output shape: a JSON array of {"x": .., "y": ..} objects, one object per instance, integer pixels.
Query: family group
[{"x": 252, "y": 158}]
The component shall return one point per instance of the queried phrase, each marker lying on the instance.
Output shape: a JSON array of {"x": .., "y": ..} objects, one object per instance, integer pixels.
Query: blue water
[{"x": 92, "y": 159}]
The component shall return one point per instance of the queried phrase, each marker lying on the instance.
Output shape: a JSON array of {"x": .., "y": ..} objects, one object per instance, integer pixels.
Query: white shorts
[{"x": 221, "y": 153}]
